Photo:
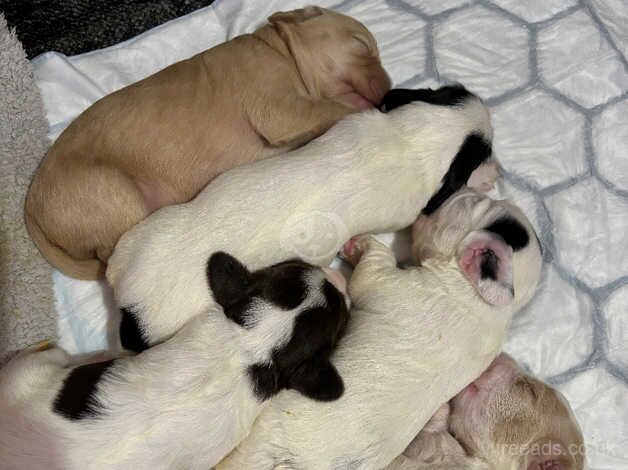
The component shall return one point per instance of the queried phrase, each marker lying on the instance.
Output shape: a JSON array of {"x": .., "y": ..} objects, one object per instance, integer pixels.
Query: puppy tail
[
  {"x": 29, "y": 371},
  {"x": 87, "y": 269}
]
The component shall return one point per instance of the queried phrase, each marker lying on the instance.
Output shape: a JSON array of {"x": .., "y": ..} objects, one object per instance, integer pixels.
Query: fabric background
[{"x": 27, "y": 312}]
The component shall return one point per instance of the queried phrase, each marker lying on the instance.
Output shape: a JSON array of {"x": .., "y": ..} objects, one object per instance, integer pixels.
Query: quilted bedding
[{"x": 555, "y": 75}]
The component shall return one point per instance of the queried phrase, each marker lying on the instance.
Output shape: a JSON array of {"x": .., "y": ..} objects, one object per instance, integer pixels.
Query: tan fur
[
  {"x": 505, "y": 420},
  {"x": 161, "y": 140}
]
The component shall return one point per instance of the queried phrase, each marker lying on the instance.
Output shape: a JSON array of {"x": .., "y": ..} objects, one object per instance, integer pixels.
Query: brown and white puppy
[
  {"x": 504, "y": 420},
  {"x": 161, "y": 140}
]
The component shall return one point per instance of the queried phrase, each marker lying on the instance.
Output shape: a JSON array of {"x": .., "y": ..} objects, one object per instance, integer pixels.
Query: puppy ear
[
  {"x": 288, "y": 26},
  {"x": 318, "y": 379},
  {"x": 486, "y": 261},
  {"x": 265, "y": 379},
  {"x": 296, "y": 16},
  {"x": 227, "y": 277}
]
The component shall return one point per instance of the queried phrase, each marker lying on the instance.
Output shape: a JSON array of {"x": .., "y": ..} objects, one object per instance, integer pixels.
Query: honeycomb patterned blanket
[{"x": 555, "y": 76}]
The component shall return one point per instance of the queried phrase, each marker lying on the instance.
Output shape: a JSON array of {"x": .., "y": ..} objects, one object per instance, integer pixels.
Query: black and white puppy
[
  {"x": 372, "y": 172},
  {"x": 189, "y": 401}
]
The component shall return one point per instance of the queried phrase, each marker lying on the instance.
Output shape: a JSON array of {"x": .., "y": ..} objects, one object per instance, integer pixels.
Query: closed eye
[{"x": 364, "y": 42}]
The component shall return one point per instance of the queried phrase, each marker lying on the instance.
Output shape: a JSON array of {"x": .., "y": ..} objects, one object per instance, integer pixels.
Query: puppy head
[
  {"x": 336, "y": 55},
  {"x": 515, "y": 421},
  {"x": 292, "y": 315},
  {"x": 493, "y": 242},
  {"x": 473, "y": 164}
]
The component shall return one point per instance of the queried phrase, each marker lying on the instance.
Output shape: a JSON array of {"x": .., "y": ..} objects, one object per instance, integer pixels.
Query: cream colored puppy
[
  {"x": 372, "y": 172},
  {"x": 161, "y": 140},
  {"x": 416, "y": 337},
  {"x": 504, "y": 420}
]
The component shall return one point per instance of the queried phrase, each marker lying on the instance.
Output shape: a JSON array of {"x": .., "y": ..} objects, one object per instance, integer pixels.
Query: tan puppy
[
  {"x": 505, "y": 420},
  {"x": 161, "y": 140}
]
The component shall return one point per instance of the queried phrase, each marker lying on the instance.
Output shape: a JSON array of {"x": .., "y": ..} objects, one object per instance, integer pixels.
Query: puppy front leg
[
  {"x": 364, "y": 251},
  {"x": 294, "y": 120},
  {"x": 375, "y": 264}
]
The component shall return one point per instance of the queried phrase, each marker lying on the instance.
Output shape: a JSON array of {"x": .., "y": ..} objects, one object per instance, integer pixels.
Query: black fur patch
[
  {"x": 474, "y": 151},
  {"x": 511, "y": 230},
  {"x": 228, "y": 279},
  {"x": 234, "y": 287},
  {"x": 489, "y": 265},
  {"x": 131, "y": 335},
  {"x": 76, "y": 400},
  {"x": 287, "y": 287},
  {"x": 444, "y": 96},
  {"x": 303, "y": 363},
  {"x": 265, "y": 380},
  {"x": 335, "y": 300}
]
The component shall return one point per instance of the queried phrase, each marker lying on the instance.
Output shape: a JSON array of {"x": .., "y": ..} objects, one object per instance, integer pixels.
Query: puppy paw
[
  {"x": 353, "y": 250},
  {"x": 484, "y": 177}
]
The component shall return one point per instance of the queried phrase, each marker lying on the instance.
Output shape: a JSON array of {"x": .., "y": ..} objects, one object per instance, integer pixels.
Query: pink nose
[{"x": 337, "y": 279}]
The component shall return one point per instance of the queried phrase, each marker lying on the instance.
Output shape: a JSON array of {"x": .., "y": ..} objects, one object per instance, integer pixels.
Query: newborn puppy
[
  {"x": 486, "y": 259},
  {"x": 416, "y": 337},
  {"x": 187, "y": 402},
  {"x": 505, "y": 419},
  {"x": 372, "y": 172},
  {"x": 161, "y": 140}
]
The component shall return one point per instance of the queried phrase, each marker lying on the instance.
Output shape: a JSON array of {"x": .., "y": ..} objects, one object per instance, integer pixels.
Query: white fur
[
  {"x": 415, "y": 339},
  {"x": 371, "y": 172},
  {"x": 183, "y": 404}
]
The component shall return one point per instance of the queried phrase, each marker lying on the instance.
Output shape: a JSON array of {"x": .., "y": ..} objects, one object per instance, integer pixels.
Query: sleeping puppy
[
  {"x": 187, "y": 402},
  {"x": 416, "y": 338},
  {"x": 372, "y": 172},
  {"x": 161, "y": 140},
  {"x": 504, "y": 420}
]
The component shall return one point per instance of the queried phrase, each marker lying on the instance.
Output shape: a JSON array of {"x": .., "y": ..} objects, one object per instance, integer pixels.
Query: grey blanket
[{"x": 27, "y": 312}]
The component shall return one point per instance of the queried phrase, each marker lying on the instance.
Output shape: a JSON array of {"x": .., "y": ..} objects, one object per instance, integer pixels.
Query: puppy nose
[{"x": 337, "y": 279}]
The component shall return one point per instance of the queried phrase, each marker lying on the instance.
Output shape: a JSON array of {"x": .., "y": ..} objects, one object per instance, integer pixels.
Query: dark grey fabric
[{"x": 76, "y": 26}]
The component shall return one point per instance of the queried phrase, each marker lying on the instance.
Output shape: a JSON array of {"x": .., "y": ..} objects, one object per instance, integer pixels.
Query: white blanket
[{"x": 555, "y": 75}]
